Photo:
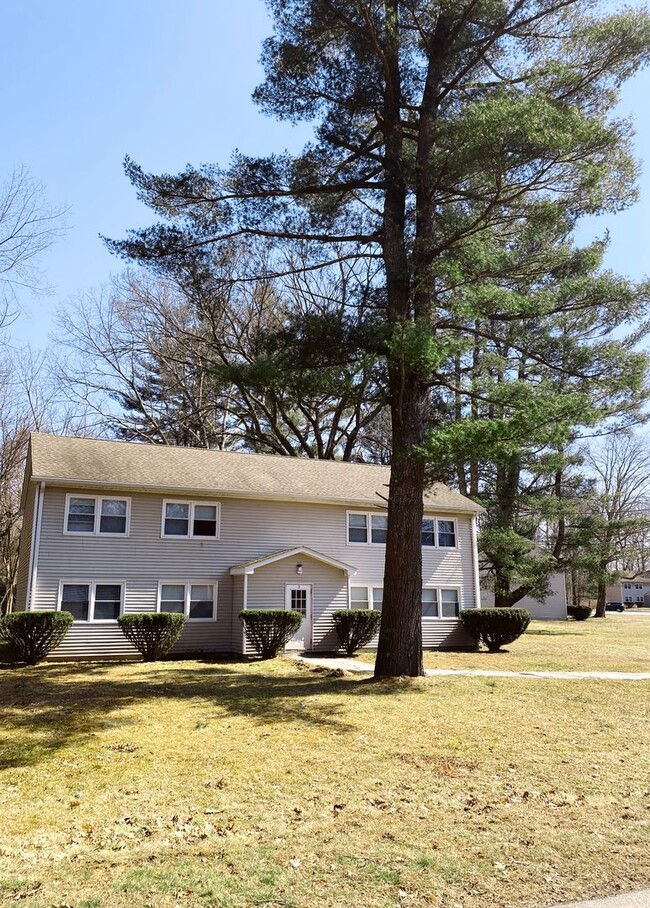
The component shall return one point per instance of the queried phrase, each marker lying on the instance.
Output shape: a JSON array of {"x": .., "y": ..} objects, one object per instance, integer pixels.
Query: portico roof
[{"x": 249, "y": 567}]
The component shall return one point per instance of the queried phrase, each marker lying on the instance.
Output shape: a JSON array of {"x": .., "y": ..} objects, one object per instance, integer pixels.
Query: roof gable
[{"x": 249, "y": 567}]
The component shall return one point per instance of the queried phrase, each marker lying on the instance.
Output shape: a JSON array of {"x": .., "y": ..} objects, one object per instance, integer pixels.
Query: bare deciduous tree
[
  {"x": 160, "y": 364},
  {"x": 614, "y": 522},
  {"x": 28, "y": 226}
]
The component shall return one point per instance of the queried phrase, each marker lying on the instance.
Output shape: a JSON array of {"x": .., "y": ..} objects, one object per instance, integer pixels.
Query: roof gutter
[{"x": 238, "y": 493}]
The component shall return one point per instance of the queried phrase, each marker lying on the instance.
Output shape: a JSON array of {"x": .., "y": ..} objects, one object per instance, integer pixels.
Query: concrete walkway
[
  {"x": 629, "y": 900},
  {"x": 354, "y": 665}
]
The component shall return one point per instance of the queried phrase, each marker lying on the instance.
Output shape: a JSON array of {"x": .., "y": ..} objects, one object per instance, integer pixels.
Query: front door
[{"x": 298, "y": 599}]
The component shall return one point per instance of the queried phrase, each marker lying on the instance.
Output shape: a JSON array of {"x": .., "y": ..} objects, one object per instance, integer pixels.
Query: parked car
[{"x": 614, "y": 607}]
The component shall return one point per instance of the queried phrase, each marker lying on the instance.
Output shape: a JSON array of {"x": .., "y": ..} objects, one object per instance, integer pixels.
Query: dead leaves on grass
[{"x": 441, "y": 764}]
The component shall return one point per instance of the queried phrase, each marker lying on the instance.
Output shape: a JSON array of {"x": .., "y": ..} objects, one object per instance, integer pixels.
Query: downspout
[
  {"x": 35, "y": 545},
  {"x": 477, "y": 579}
]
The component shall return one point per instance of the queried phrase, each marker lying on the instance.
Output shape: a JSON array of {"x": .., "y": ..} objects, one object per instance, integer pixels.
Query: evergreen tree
[{"x": 443, "y": 133}]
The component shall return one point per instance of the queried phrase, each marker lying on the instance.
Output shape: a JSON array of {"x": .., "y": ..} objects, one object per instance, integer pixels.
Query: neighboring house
[
  {"x": 630, "y": 590},
  {"x": 117, "y": 527},
  {"x": 552, "y": 608}
]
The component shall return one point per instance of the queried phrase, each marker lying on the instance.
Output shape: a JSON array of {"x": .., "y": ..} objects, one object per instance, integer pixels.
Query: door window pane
[
  {"x": 429, "y": 603},
  {"x": 357, "y": 528},
  {"x": 201, "y": 600},
  {"x": 75, "y": 598},
  {"x": 299, "y": 601},
  {"x": 446, "y": 534},
  {"x": 377, "y": 598},
  {"x": 113, "y": 516},
  {"x": 107, "y": 601},
  {"x": 205, "y": 520},
  {"x": 359, "y": 597},
  {"x": 450, "y": 604},
  {"x": 172, "y": 598},
  {"x": 378, "y": 528},
  {"x": 81, "y": 515},
  {"x": 177, "y": 519},
  {"x": 428, "y": 532}
]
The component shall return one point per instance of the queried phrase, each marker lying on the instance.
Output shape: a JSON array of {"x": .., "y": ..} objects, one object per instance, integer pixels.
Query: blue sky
[{"x": 168, "y": 83}]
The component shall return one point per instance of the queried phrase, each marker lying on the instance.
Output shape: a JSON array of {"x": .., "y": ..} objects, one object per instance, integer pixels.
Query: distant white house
[
  {"x": 630, "y": 590},
  {"x": 553, "y": 608}
]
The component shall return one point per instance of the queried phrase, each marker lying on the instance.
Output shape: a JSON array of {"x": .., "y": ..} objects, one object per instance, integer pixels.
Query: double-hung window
[
  {"x": 197, "y": 601},
  {"x": 446, "y": 534},
  {"x": 366, "y": 597},
  {"x": 96, "y": 515},
  {"x": 438, "y": 532},
  {"x": 367, "y": 528},
  {"x": 440, "y": 602},
  {"x": 190, "y": 519},
  {"x": 359, "y": 597},
  {"x": 91, "y": 601},
  {"x": 428, "y": 531}
]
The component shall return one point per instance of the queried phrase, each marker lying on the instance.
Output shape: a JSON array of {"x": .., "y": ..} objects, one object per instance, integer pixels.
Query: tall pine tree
[{"x": 443, "y": 130}]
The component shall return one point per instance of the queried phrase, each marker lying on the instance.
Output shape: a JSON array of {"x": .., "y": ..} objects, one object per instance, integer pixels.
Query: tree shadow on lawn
[{"x": 54, "y": 705}]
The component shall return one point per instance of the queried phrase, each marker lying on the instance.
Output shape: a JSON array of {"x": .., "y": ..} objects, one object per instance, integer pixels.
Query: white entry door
[{"x": 298, "y": 599}]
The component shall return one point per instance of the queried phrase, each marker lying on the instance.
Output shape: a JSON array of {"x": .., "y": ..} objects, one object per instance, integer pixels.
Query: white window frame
[
  {"x": 638, "y": 586},
  {"x": 192, "y": 504},
  {"x": 446, "y": 548},
  {"x": 436, "y": 530},
  {"x": 368, "y": 515},
  {"x": 628, "y": 599},
  {"x": 370, "y": 593},
  {"x": 98, "y": 499},
  {"x": 188, "y": 584},
  {"x": 439, "y": 589},
  {"x": 627, "y": 586},
  {"x": 360, "y": 586},
  {"x": 92, "y": 584},
  {"x": 372, "y": 596}
]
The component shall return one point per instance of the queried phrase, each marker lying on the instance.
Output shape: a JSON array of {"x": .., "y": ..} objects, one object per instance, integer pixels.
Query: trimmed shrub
[
  {"x": 269, "y": 630},
  {"x": 579, "y": 612},
  {"x": 30, "y": 636},
  {"x": 152, "y": 633},
  {"x": 355, "y": 628},
  {"x": 494, "y": 627}
]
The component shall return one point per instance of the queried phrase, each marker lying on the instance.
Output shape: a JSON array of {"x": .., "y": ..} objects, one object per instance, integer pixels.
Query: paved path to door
[
  {"x": 629, "y": 900},
  {"x": 354, "y": 665}
]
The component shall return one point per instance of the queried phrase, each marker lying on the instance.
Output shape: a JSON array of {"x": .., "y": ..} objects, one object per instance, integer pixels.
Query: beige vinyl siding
[
  {"x": 329, "y": 592},
  {"x": 249, "y": 529},
  {"x": 139, "y": 562},
  {"x": 445, "y": 633},
  {"x": 22, "y": 580}
]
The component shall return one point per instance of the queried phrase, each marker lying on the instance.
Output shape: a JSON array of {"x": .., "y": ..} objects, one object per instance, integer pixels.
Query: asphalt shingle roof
[{"x": 73, "y": 461}]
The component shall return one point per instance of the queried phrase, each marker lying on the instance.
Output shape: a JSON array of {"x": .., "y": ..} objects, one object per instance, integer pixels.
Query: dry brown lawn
[
  {"x": 617, "y": 643},
  {"x": 239, "y": 784}
]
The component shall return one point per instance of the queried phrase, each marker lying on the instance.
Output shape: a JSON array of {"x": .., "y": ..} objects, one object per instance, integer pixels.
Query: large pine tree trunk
[
  {"x": 400, "y": 634},
  {"x": 601, "y": 602}
]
